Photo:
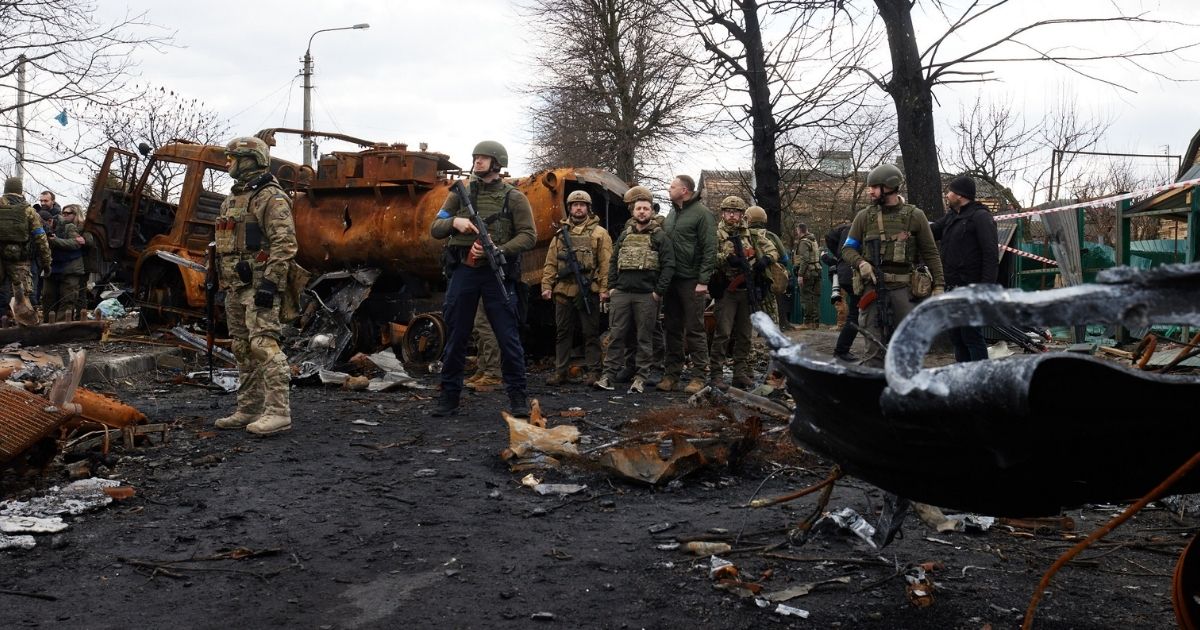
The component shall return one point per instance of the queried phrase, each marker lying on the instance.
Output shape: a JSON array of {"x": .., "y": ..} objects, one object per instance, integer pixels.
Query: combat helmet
[
  {"x": 733, "y": 202},
  {"x": 494, "y": 150},
  {"x": 886, "y": 175},
  {"x": 13, "y": 186},
  {"x": 756, "y": 214},
  {"x": 249, "y": 146},
  {"x": 578, "y": 195},
  {"x": 638, "y": 193}
]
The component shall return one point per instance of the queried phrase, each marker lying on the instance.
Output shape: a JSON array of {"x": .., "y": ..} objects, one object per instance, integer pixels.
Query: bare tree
[
  {"x": 797, "y": 76},
  {"x": 156, "y": 118},
  {"x": 994, "y": 144},
  {"x": 1116, "y": 177},
  {"x": 613, "y": 86},
  {"x": 1065, "y": 132},
  {"x": 915, "y": 72},
  {"x": 74, "y": 63}
]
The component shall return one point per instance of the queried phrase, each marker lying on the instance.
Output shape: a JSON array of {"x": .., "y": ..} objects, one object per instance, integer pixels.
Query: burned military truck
[{"x": 362, "y": 225}]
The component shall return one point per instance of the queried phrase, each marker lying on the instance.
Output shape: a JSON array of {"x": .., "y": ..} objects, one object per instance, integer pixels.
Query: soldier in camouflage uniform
[
  {"x": 60, "y": 293},
  {"x": 593, "y": 248},
  {"x": 256, "y": 242},
  {"x": 21, "y": 233},
  {"x": 808, "y": 275},
  {"x": 639, "y": 272},
  {"x": 487, "y": 354},
  {"x": 471, "y": 278},
  {"x": 882, "y": 248},
  {"x": 756, "y": 218},
  {"x": 734, "y": 308}
]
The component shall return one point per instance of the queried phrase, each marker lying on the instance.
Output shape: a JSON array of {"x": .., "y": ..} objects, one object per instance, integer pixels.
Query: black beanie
[{"x": 963, "y": 186}]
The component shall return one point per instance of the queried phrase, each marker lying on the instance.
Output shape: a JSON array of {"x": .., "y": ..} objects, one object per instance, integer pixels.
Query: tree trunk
[
  {"x": 762, "y": 118},
  {"x": 912, "y": 94}
]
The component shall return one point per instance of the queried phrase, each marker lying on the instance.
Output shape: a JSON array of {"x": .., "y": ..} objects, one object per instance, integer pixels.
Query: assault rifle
[
  {"x": 884, "y": 317},
  {"x": 568, "y": 257},
  {"x": 739, "y": 252},
  {"x": 494, "y": 255}
]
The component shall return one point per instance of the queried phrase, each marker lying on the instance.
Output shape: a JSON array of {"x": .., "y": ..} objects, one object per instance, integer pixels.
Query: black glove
[
  {"x": 760, "y": 264},
  {"x": 264, "y": 296}
]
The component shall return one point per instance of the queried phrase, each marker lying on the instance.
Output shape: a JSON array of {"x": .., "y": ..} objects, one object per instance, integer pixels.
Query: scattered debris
[
  {"x": 800, "y": 590},
  {"x": 525, "y": 439},
  {"x": 719, "y": 568},
  {"x": 919, "y": 587},
  {"x": 846, "y": 519},
  {"x": 705, "y": 548}
]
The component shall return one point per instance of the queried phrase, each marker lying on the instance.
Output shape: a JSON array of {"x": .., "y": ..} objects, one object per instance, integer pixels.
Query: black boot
[
  {"x": 518, "y": 405},
  {"x": 447, "y": 405}
]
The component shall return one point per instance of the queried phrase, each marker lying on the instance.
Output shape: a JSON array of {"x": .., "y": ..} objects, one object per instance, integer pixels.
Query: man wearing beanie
[{"x": 970, "y": 255}]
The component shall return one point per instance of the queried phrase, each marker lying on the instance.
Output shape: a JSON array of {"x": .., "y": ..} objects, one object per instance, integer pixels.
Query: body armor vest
[
  {"x": 14, "y": 231},
  {"x": 892, "y": 231},
  {"x": 492, "y": 206},
  {"x": 585, "y": 253},
  {"x": 239, "y": 237},
  {"x": 637, "y": 251}
]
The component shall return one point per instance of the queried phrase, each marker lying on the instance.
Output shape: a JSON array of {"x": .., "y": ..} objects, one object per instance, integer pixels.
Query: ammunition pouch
[
  {"x": 921, "y": 283},
  {"x": 254, "y": 236},
  {"x": 289, "y": 303}
]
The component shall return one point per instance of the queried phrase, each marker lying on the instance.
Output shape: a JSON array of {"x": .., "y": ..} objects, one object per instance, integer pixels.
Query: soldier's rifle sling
[
  {"x": 739, "y": 252},
  {"x": 494, "y": 255},
  {"x": 573, "y": 265},
  {"x": 883, "y": 303}
]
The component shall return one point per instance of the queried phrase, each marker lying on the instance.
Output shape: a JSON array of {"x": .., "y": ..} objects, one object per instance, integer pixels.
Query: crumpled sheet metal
[
  {"x": 643, "y": 463},
  {"x": 526, "y": 439},
  {"x": 74, "y": 498},
  {"x": 1022, "y": 436}
]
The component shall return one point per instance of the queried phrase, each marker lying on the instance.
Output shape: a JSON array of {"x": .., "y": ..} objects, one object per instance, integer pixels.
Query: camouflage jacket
[
  {"x": 755, "y": 244},
  {"x": 808, "y": 256},
  {"x": 593, "y": 249},
  {"x": 255, "y": 227},
  {"x": 32, "y": 226},
  {"x": 65, "y": 251}
]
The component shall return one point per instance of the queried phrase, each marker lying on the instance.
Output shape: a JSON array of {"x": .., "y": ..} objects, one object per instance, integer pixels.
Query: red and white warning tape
[
  {"x": 1018, "y": 252},
  {"x": 1105, "y": 201}
]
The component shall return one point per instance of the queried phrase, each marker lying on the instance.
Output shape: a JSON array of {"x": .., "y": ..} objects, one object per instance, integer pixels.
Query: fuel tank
[{"x": 373, "y": 208}]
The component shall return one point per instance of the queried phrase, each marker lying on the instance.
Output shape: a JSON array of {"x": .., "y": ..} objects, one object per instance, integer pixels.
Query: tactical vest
[
  {"x": 812, "y": 258},
  {"x": 585, "y": 252},
  {"x": 492, "y": 206},
  {"x": 14, "y": 232},
  {"x": 893, "y": 231},
  {"x": 239, "y": 235},
  {"x": 637, "y": 251}
]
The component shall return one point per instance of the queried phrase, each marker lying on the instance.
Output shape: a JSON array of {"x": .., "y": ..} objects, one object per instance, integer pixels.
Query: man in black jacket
[
  {"x": 967, "y": 234},
  {"x": 843, "y": 290}
]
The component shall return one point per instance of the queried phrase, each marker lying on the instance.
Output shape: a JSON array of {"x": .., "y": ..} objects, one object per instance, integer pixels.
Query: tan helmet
[
  {"x": 250, "y": 146},
  {"x": 733, "y": 202},
  {"x": 756, "y": 214},
  {"x": 13, "y": 186},
  {"x": 492, "y": 149},
  {"x": 638, "y": 193},
  {"x": 579, "y": 195},
  {"x": 886, "y": 175}
]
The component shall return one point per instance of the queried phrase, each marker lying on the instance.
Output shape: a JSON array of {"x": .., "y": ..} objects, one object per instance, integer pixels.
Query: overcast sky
[{"x": 450, "y": 73}]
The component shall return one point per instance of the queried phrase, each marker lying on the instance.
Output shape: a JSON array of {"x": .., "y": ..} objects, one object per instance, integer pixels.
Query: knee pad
[{"x": 264, "y": 348}]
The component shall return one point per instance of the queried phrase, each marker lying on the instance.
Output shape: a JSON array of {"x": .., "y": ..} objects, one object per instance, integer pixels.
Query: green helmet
[
  {"x": 756, "y": 214},
  {"x": 13, "y": 186},
  {"x": 578, "y": 195},
  {"x": 249, "y": 147},
  {"x": 492, "y": 149},
  {"x": 638, "y": 193},
  {"x": 886, "y": 175},
  {"x": 733, "y": 202}
]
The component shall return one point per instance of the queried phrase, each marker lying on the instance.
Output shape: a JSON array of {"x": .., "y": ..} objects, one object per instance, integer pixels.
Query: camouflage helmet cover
[
  {"x": 492, "y": 149},
  {"x": 638, "y": 193},
  {"x": 249, "y": 146},
  {"x": 886, "y": 175},
  {"x": 579, "y": 195},
  {"x": 733, "y": 202},
  {"x": 756, "y": 214},
  {"x": 13, "y": 186}
]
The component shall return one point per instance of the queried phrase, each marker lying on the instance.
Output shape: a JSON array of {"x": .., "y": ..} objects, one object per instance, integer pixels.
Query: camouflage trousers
[
  {"x": 60, "y": 295},
  {"x": 18, "y": 276},
  {"x": 486, "y": 349},
  {"x": 810, "y": 294},
  {"x": 733, "y": 323},
  {"x": 262, "y": 367},
  {"x": 770, "y": 306}
]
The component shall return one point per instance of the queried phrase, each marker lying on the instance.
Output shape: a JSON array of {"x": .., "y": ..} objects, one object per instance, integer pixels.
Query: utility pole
[
  {"x": 307, "y": 71},
  {"x": 21, "y": 116}
]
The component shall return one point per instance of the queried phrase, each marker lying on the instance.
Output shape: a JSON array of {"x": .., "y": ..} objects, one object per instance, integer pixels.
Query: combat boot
[
  {"x": 603, "y": 383},
  {"x": 624, "y": 374},
  {"x": 474, "y": 377},
  {"x": 518, "y": 405},
  {"x": 638, "y": 386},
  {"x": 270, "y": 425},
  {"x": 666, "y": 384},
  {"x": 694, "y": 386},
  {"x": 447, "y": 405},
  {"x": 238, "y": 420},
  {"x": 484, "y": 383}
]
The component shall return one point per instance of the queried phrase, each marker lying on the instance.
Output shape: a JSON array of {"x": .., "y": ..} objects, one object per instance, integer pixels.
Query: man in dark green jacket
[
  {"x": 692, "y": 230},
  {"x": 60, "y": 293}
]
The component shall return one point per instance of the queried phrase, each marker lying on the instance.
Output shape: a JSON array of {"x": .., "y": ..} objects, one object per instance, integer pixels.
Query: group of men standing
[{"x": 42, "y": 251}]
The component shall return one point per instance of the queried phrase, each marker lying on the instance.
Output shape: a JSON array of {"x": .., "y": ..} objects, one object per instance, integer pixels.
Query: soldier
[
  {"x": 808, "y": 275},
  {"x": 256, "y": 242},
  {"x": 734, "y": 308},
  {"x": 510, "y": 224},
  {"x": 487, "y": 355},
  {"x": 60, "y": 294},
  {"x": 573, "y": 310},
  {"x": 882, "y": 257},
  {"x": 692, "y": 230},
  {"x": 21, "y": 235},
  {"x": 756, "y": 217},
  {"x": 640, "y": 271}
]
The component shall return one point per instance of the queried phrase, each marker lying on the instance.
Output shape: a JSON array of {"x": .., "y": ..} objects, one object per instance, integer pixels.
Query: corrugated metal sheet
[{"x": 23, "y": 421}]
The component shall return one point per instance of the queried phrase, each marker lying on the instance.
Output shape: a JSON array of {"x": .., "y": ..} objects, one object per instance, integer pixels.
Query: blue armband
[
  {"x": 853, "y": 243},
  {"x": 444, "y": 214},
  {"x": 38, "y": 231}
]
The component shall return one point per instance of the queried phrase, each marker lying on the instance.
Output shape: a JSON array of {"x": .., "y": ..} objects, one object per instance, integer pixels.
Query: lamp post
[{"x": 307, "y": 72}]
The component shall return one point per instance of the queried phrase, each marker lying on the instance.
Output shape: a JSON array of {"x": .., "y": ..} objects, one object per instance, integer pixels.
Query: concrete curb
[{"x": 102, "y": 368}]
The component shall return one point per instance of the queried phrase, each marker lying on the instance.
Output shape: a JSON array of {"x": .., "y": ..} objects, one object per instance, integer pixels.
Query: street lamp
[{"x": 307, "y": 72}]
